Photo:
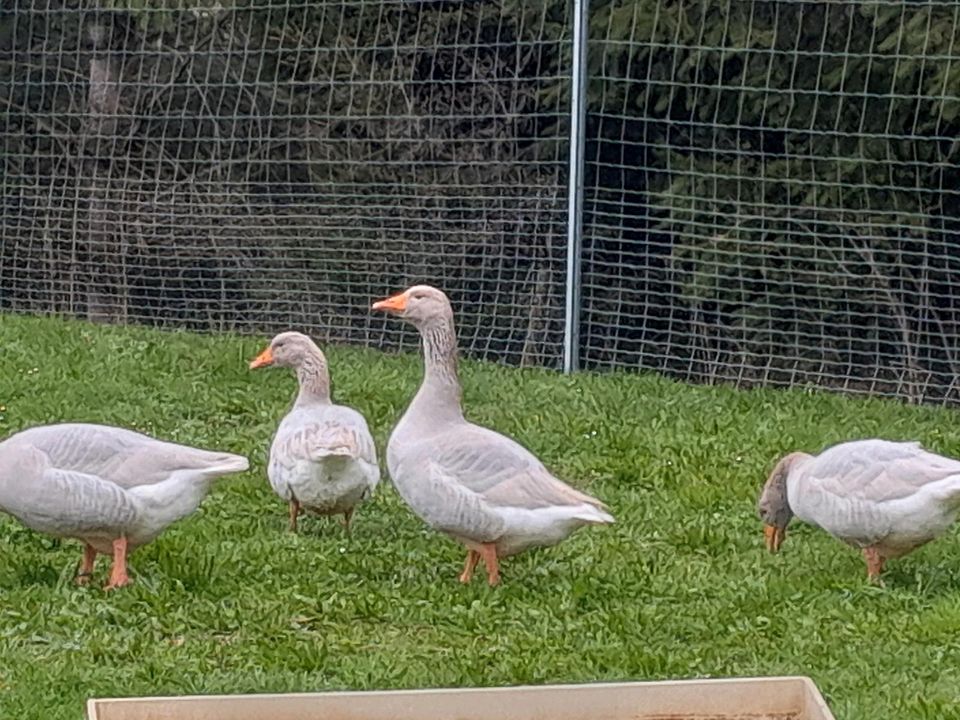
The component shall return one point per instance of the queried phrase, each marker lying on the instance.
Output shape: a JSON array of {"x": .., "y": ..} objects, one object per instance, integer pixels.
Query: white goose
[
  {"x": 885, "y": 498},
  {"x": 110, "y": 488},
  {"x": 323, "y": 458},
  {"x": 476, "y": 485}
]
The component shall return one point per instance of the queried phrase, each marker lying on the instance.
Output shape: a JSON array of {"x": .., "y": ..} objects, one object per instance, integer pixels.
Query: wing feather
[
  {"x": 877, "y": 470},
  {"x": 502, "y": 472},
  {"x": 70, "y": 503}
]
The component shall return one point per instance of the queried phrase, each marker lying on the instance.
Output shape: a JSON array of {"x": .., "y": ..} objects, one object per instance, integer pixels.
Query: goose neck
[
  {"x": 314, "y": 379},
  {"x": 441, "y": 383}
]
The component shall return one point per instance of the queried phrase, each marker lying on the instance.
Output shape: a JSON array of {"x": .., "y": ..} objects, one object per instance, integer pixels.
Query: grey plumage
[
  {"x": 472, "y": 483},
  {"x": 886, "y": 498},
  {"x": 322, "y": 457},
  {"x": 98, "y": 484}
]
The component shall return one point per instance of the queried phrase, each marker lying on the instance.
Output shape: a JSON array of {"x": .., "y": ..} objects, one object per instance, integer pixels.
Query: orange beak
[
  {"x": 397, "y": 303},
  {"x": 262, "y": 360},
  {"x": 774, "y": 537}
]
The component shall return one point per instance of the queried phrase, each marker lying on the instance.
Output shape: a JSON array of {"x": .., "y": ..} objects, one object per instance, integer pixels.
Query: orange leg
[
  {"x": 294, "y": 512},
  {"x": 86, "y": 565},
  {"x": 488, "y": 551},
  {"x": 472, "y": 557},
  {"x": 118, "y": 573},
  {"x": 874, "y": 564}
]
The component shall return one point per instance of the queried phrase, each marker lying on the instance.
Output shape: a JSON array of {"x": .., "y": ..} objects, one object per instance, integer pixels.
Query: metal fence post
[{"x": 578, "y": 107}]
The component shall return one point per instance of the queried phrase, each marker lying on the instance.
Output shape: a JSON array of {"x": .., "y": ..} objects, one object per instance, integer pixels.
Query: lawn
[{"x": 228, "y": 601}]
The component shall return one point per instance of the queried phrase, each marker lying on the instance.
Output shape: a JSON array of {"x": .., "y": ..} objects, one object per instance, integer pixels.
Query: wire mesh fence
[
  {"x": 772, "y": 193},
  {"x": 770, "y": 186},
  {"x": 279, "y": 163}
]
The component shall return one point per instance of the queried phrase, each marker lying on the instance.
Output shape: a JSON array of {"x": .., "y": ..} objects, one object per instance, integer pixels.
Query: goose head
[
  {"x": 288, "y": 349},
  {"x": 419, "y": 305},
  {"x": 774, "y": 505}
]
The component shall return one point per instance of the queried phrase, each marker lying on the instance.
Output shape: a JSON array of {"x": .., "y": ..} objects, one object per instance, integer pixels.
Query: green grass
[{"x": 228, "y": 601}]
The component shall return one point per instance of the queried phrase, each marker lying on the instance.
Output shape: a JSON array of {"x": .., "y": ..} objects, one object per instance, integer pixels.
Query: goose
[
  {"x": 112, "y": 489},
  {"x": 885, "y": 498},
  {"x": 323, "y": 458},
  {"x": 477, "y": 486}
]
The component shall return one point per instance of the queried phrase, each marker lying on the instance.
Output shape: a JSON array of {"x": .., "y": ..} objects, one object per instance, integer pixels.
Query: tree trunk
[{"x": 106, "y": 296}]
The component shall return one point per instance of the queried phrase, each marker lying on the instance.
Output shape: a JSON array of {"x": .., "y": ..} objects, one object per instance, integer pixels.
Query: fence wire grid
[{"x": 770, "y": 189}]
